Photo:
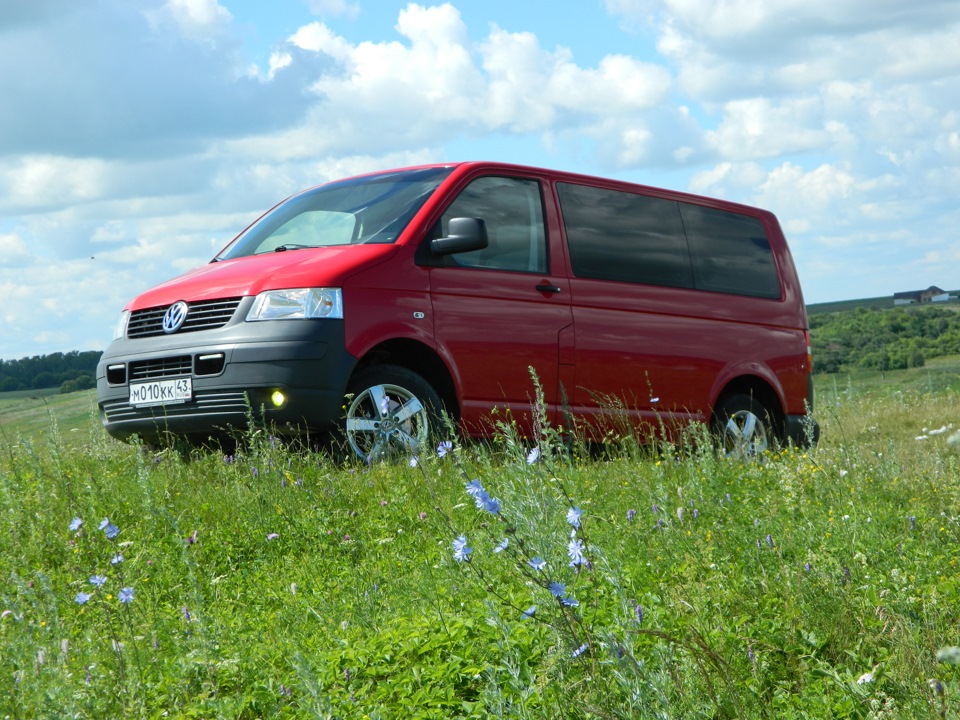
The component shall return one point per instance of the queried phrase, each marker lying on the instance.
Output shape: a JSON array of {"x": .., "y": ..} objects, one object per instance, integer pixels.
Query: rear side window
[
  {"x": 621, "y": 236},
  {"x": 512, "y": 209},
  {"x": 731, "y": 252}
]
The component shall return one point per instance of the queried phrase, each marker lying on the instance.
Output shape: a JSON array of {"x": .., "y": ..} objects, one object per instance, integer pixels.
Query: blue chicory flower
[
  {"x": 529, "y": 612},
  {"x": 569, "y": 601},
  {"x": 82, "y": 597},
  {"x": 502, "y": 545},
  {"x": 443, "y": 448},
  {"x": 116, "y": 559},
  {"x": 630, "y": 515},
  {"x": 558, "y": 589},
  {"x": 575, "y": 552},
  {"x": 533, "y": 456},
  {"x": 537, "y": 563},
  {"x": 125, "y": 595},
  {"x": 638, "y": 609},
  {"x": 573, "y": 516},
  {"x": 98, "y": 580},
  {"x": 109, "y": 529},
  {"x": 580, "y": 651},
  {"x": 75, "y": 524},
  {"x": 461, "y": 551}
]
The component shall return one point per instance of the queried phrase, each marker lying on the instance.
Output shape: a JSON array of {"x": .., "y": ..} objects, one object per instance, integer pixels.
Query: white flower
[{"x": 867, "y": 677}]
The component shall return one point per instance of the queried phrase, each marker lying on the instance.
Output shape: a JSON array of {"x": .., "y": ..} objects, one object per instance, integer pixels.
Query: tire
[
  {"x": 391, "y": 413},
  {"x": 744, "y": 427}
]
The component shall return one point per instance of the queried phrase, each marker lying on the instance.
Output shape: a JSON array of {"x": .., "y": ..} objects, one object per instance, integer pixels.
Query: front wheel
[
  {"x": 391, "y": 414},
  {"x": 745, "y": 428}
]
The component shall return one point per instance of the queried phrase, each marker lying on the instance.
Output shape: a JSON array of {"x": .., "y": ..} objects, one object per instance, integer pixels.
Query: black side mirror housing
[{"x": 465, "y": 235}]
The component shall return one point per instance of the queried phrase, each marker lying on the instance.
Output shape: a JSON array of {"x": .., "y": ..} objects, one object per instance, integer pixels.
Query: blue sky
[{"x": 138, "y": 136}]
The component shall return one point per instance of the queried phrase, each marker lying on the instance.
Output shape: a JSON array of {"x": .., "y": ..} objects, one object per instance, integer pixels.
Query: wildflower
[
  {"x": 109, "y": 529},
  {"x": 81, "y": 598},
  {"x": 191, "y": 539},
  {"x": 228, "y": 459},
  {"x": 807, "y": 566},
  {"x": 529, "y": 612},
  {"x": 679, "y": 514},
  {"x": 255, "y": 473},
  {"x": 569, "y": 601},
  {"x": 533, "y": 456},
  {"x": 443, "y": 448},
  {"x": 580, "y": 651},
  {"x": 630, "y": 515},
  {"x": 913, "y": 522},
  {"x": 655, "y": 508},
  {"x": 770, "y": 541},
  {"x": 126, "y": 595},
  {"x": 414, "y": 461},
  {"x": 537, "y": 563},
  {"x": 186, "y": 613},
  {"x": 273, "y": 536},
  {"x": 558, "y": 589},
  {"x": 750, "y": 655},
  {"x": 696, "y": 513},
  {"x": 423, "y": 515},
  {"x": 116, "y": 559},
  {"x": 75, "y": 524},
  {"x": 573, "y": 516},
  {"x": 936, "y": 686},
  {"x": 728, "y": 498},
  {"x": 502, "y": 545},
  {"x": 867, "y": 677},
  {"x": 98, "y": 580},
  {"x": 638, "y": 609},
  {"x": 575, "y": 552},
  {"x": 461, "y": 551}
]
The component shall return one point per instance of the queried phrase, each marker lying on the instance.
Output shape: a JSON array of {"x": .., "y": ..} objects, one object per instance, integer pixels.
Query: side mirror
[{"x": 466, "y": 234}]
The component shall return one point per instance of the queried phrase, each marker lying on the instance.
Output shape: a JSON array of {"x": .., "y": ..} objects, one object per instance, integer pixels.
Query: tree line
[
  {"x": 883, "y": 339},
  {"x": 69, "y": 371}
]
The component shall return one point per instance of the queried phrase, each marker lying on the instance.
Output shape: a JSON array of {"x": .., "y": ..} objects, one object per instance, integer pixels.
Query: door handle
[{"x": 544, "y": 288}]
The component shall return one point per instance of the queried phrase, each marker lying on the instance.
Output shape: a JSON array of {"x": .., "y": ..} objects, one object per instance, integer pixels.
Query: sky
[{"x": 137, "y": 137}]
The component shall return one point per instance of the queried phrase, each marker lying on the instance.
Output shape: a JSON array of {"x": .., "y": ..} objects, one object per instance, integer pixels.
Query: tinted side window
[
  {"x": 731, "y": 252},
  {"x": 616, "y": 235},
  {"x": 513, "y": 212}
]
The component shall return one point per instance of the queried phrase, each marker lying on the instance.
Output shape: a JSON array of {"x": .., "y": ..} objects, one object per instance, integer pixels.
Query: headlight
[
  {"x": 297, "y": 304},
  {"x": 121, "y": 328}
]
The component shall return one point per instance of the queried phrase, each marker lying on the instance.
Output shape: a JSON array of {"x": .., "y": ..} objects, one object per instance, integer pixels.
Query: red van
[{"x": 374, "y": 302}]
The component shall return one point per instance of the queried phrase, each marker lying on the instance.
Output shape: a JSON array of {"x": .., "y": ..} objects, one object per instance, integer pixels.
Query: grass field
[{"x": 274, "y": 584}]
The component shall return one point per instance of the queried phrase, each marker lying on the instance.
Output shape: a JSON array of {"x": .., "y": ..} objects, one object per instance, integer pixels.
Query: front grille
[
  {"x": 221, "y": 405},
  {"x": 160, "y": 368},
  {"x": 205, "y": 315}
]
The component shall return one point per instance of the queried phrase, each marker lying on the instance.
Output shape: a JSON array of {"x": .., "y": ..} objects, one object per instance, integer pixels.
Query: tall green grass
[{"x": 287, "y": 584}]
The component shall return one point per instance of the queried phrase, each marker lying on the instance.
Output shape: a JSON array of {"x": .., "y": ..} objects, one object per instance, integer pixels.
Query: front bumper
[{"x": 234, "y": 370}]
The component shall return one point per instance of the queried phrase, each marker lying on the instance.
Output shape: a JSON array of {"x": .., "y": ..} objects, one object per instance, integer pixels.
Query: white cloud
[
  {"x": 334, "y": 8},
  {"x": 201, "y": 20}
]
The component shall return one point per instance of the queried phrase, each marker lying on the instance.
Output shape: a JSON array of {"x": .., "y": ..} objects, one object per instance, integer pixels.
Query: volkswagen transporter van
[{"x": 373, "y": 303}]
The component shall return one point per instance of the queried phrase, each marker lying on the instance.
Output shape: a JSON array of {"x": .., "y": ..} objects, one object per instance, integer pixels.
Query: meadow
[{"x": 520, "y": 578}]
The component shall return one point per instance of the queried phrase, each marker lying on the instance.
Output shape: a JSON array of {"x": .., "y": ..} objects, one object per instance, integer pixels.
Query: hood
[{"x": 309, "y": 267}]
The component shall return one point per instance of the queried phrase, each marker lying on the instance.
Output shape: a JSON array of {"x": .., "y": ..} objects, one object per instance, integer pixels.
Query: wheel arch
[
  {"x": 419, "y": 358},
  {"x": 758, "y": 388}
]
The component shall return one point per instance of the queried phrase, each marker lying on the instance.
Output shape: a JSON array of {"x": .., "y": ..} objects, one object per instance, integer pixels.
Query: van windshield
[{"x": 372, "y": 209}]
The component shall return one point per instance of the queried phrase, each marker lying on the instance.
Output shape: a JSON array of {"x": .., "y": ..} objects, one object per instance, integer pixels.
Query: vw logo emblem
[{"x": 174, "y": 316}]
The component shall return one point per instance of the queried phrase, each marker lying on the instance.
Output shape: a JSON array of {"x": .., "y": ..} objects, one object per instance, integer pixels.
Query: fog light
[{"x": 278, "y": 398}]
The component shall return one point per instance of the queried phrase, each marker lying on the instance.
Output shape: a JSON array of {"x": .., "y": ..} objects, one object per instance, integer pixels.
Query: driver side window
[{"x": 513, "y": 212}]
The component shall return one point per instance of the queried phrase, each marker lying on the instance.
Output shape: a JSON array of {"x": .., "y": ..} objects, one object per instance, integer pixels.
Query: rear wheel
[
  {"x": 745, "y": 428},
  {"x": 391, "y": 414}
]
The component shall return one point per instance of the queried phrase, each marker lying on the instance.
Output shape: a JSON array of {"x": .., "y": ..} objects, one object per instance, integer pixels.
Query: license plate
[{"x": 161, "y": 392}]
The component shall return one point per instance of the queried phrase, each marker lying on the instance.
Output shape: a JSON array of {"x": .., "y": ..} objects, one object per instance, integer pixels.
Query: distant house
[{"x": 914, "y": 297}]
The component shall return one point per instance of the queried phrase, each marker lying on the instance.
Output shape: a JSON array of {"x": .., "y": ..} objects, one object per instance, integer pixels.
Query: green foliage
[
  {"x": 46, "y": 371},
  {"x": 282, "y": 584},
  {"x": 887, "y": 339}
]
